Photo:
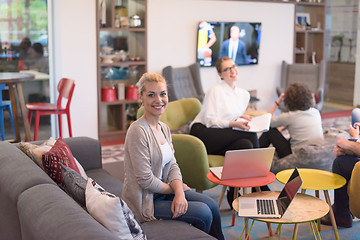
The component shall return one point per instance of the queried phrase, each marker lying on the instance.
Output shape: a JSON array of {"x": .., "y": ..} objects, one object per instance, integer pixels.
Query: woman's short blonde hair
[{"x": 149, "y": 77}]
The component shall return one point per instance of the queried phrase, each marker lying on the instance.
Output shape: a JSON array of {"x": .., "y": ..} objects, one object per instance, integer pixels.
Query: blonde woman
[{"x": 153, "y": 187}]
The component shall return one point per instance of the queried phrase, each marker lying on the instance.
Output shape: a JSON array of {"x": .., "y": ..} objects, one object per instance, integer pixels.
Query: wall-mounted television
[{"x": 237, "y": 40}]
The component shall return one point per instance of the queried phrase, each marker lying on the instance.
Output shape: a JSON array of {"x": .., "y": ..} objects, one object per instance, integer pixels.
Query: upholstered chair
[
  {"x": 312, "y": 75},
  {"x": 184, "y": 82}
]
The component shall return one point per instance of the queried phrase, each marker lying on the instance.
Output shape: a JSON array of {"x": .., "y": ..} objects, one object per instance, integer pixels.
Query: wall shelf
[
  {"x": 313, "y": 39},
  {"x": 115, "y": 117}
]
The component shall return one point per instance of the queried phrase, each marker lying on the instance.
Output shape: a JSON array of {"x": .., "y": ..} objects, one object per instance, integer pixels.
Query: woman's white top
[
  {"x": 221, "y": 105},
  {"x": 167, "y": 154},
  {"x": 304, "y": 126}
]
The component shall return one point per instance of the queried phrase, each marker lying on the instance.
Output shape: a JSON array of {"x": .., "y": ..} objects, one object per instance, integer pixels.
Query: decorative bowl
[{"x": 107, "y": 58}]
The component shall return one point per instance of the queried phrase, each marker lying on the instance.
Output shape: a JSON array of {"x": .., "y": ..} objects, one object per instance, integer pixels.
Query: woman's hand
[
  {"x": 354, "y": 130},
  {"x": 246, "y": 117},
  {"x": 179, "y": 205},
  {"x": 281, "y": 97},
  {"x": 242, "y": 124},
  {"x": 186, "y": 187}
]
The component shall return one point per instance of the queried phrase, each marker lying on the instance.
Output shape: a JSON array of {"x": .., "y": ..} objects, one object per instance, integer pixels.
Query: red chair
[{"x": 65, "y": 88}]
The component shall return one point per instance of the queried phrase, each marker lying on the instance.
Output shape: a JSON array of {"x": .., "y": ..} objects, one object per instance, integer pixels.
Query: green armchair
[{"x": 190, "y": 151}]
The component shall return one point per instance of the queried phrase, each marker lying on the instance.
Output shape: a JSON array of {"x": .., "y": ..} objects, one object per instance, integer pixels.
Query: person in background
[
  {"x": 223, "y": 104},
  {"x": 355, "y": 116},
  {"x": 302, "y": 121},
  {"x": 234, "y": 47},
  {"x": 347, "y": 153},
  {"x": 153, "y": 187},
  {"x": 25, "y": 48},
  {"x": 36, "y": 59}
]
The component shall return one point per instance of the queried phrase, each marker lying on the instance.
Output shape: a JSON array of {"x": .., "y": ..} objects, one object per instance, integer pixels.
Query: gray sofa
[{"x": 33, "y": 207}]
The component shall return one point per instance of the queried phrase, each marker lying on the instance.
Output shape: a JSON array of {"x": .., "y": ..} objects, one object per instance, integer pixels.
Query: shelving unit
[
  {"x": 115, "y": 116},
  {"x": 310, "y": 39}
]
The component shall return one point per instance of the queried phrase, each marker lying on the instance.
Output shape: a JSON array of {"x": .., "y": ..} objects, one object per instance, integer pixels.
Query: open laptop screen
[{"x": 290, "y": 189}]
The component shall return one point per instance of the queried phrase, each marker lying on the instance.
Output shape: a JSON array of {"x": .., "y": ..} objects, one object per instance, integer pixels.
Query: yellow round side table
[{"x": 315, "y": 179}]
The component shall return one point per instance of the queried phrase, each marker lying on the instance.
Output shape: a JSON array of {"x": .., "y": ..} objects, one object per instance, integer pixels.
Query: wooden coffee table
[
  {"x": 315, "y": 179},
  {"x": 304, "y": 208}
]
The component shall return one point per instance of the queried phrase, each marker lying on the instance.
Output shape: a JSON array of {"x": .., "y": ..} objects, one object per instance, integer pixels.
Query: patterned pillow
[
  {"x": 59, "y": 153},
  {"x": 75, "y": 184},
  {"x": 35, "y": 152},
  {"x": 112, "y": 212}
]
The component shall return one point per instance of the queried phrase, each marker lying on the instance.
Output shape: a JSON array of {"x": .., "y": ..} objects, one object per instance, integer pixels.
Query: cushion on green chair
[
  {"x": 178, "y": 113},
  {"x": 190, "y": 153},
  {"x": 216, "y": 160}
]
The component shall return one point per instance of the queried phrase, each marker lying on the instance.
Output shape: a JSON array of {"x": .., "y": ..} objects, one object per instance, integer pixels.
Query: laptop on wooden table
[
  {"x": 245, "y": 163},
  {"x": 271, "y": 207}
]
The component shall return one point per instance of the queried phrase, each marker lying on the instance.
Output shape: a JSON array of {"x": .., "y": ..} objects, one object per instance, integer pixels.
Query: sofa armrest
[{"x": 86, "y": 150}]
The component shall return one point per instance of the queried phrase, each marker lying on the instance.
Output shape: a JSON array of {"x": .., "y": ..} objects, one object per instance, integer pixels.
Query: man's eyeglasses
[{"x": 230, "y": 68}]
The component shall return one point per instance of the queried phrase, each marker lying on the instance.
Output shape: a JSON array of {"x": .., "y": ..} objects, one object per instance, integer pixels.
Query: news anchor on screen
[{"x": 234, "y": 48}]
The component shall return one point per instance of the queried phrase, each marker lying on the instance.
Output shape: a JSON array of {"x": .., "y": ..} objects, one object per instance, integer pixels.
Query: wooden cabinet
[
  {"x": 340, "y": 83},
  {"x": 309, "y": 39},
  {"x": 121, "y": 60}
]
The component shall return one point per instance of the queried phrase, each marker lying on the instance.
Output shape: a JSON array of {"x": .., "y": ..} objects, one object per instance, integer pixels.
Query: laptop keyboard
[{"x": 265, "y": 206}]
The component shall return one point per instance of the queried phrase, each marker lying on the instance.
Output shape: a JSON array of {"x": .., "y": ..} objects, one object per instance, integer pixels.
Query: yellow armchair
[
  {"x": 354, "y": 191},
  {"x": 190, "y": 151}
]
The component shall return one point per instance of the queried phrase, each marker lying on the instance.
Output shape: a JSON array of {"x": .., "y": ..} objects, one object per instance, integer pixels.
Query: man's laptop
[
  {"x": 271, "y": 207},
  {"x": 245, "y": 163}
]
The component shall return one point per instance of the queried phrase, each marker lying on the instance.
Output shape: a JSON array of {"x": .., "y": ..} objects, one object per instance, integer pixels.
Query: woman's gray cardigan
[{"x": 143, "y": 163}]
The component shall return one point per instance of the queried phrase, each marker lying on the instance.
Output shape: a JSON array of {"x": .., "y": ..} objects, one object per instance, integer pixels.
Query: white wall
[
  {"x": 172, "y": 32},
  {"x": 356, "y": 101},
  {"x": 74, "y": 56},
  {"x": 172, "y": 29}
]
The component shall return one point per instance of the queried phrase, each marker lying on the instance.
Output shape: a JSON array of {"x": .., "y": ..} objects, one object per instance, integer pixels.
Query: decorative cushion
[
  {"x": 75, "y": 184},
  {"x": 35, "y": 152},
  {"x": 81, "y": 169},
  {"x": 59, "y": 153},
  {"x": 111, "y": 212}
]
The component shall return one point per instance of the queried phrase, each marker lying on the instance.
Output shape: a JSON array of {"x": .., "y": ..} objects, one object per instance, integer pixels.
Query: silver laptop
[
  {"x": 271, "y": 207},
  {"x": 245, "y": 163}
]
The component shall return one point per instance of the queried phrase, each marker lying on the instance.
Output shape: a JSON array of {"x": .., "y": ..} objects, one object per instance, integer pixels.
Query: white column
[{"x": 356, "y": 101}]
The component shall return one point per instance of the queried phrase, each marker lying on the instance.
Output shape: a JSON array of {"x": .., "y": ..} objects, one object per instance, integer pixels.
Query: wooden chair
[
  {"x": 5, "y": 105},
  {"x": 65, "y": 88}
]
